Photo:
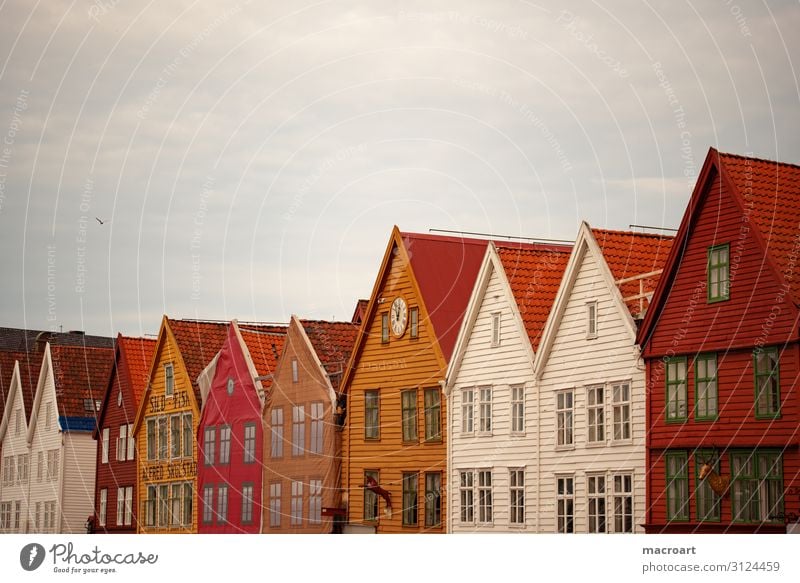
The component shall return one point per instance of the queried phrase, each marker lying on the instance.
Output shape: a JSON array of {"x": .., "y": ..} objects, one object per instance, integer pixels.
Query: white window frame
[
  {"x": 591, "y": 320},
  {"x": 485, "y": 422},
  {"x": 565, "y": 419},
  {"x": 599, "y": 410},
  {"x": 315, "y": 501},
  {"x": 101, "y": 514},
  {"x": 496, "y": 329},
  {"x": 468, "y": 410},
  {"x": 518, "y": 409},
  {"x": 563, "y": 500},
  {"x": 120, "y": 506},
  {"x": 621, "y": 495},
  {"x": 593, "y": 493},
  {"x": 122, "y": 444},
  {"x": 131, "y": 443},
  {"x": 516, "y": 494},
  {"x": 466, "y": 496},
  {"x": 106, "y": 443},
  {"x": 296, "y": 517},
  {"x": 485, "y": 496},
  {"x": 317, "y": 427},
  {"x": 128, "y": 521},
  {"x": 618, "y": 408}
]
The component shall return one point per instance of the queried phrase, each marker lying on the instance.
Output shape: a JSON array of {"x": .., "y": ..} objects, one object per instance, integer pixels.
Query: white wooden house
[{"x": 591, "y": 386}]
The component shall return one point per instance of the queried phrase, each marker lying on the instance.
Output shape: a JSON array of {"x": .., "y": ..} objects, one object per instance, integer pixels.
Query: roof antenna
[{"x": 496, "y": 236}]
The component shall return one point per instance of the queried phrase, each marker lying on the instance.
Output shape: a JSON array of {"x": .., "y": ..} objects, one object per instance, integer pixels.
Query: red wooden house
[
  {"x": 722, "y": 355},
  {"x": 230, "y": 434},
  {"x": 115, "y": 484}
]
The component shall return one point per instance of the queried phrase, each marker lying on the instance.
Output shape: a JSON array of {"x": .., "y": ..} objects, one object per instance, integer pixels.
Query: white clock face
[{"x": 398, "y": 316}]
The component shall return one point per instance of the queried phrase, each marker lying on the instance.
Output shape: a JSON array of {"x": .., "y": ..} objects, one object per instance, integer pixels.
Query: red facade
[
  {"x": 116, "y": 467},
  {"x": 715, "y": 393},
  {"x": 230, "y": 435}
]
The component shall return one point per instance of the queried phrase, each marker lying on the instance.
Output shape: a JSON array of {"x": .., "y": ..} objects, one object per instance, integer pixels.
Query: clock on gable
[{"x": 398, "y": 316}]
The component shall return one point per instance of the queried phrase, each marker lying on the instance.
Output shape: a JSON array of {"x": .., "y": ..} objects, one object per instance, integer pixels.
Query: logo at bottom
[{"x": 31, "y": 556}]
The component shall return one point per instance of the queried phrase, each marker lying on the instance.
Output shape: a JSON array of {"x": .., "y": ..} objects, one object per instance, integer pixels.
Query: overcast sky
[{"x": 249, "y": 159}]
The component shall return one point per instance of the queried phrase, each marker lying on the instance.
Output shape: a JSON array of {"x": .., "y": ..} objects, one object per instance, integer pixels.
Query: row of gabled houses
[{"x": 630, "y": 382}]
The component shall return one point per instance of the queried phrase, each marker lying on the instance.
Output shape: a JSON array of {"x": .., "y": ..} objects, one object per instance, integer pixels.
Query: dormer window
[{"x": 718, "y": 273}]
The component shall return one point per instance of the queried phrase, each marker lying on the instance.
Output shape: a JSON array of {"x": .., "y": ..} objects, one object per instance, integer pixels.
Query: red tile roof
[
  {"x": 772, "y": 191},
  {"x": 534, "y": 273},
  {"x": 265, "y": 349},
  {"x": 198, "y": 342},
  {"x": 80, "y": 374},
  {"x": 630, "y": 254},
  {"x": 445, "y": 269},
  {"x": 139, "y": 355},
  {"x": 333, "y": 343}
]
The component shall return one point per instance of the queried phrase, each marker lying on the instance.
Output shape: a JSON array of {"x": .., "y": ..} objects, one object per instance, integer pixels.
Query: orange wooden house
[{"x": 394, "y": 468}]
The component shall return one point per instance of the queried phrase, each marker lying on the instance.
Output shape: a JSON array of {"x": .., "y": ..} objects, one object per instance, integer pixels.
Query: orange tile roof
[
  {"x": 139, "y": 355},
  {"x": 534, "y": 273},
  {"x": 772, "y": 191},
  {"x": 265, "y": 349},
  {"x": 80, "y": 374},
  {"x": 630, "y": 254},
  {"x": 333, "y": 343}
]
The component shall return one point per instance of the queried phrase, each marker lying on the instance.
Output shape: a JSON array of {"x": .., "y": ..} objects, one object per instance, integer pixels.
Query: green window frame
[
  {"x": 413, "y": 318},
  {"x": 707, "y": 502},
  {"x": 676, "y": 393},
  {"x": 677, "y": 480},
  {"x": 433, "y": 499},
  {"x": 410, "y": 498},
  {"x": 372, "y": 414},
  {"x": 408, "y": 405},
  {"x": 433, "y": 414},
  {"x": 757, "y": 486},
  {"x": 385, "y": 328},
  {"x": 766, "y": 378},
  {"x": 718, "y": 271},
  {"x": 706, "y": 397}
]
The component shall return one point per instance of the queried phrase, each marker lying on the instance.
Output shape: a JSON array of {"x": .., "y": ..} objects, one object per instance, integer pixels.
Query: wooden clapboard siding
[
  {"x": 79, "y": 456},
  {"x": 575, "y": 362},
  {"x": 499, "y": 367}
]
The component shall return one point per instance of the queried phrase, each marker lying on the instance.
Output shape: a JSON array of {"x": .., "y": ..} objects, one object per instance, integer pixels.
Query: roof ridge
[
  {"x": 754, "y": 158},
  {"x": 637, "y": 234}
]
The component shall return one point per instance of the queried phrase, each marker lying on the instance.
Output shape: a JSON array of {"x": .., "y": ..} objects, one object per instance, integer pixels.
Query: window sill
[
  {"x": 593, "y": 444},
  {"x": 483, "y": 434},
  {"x": 517, "y": 434},
  {"x": 591, "y": 337},
  {"x": 570, "y": 447},
  {"x": 705, "y": 419},
  {"x": 434, "y": 440},
  {"x": 676, "y": 421},
  {"x": 615, "y": 442},
  {"x": 768, "y": 416},
  {"x": 717, "y": 300}
]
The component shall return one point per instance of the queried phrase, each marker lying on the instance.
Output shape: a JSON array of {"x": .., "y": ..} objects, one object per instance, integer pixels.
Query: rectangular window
[
  {"x": 467, "y": 410},
  {"x": 163, "y": 438},
  {"x": 131, "y": 443},
  {"x": 277, "y": 432},
  {"x": 485, "y": 409},
  {"x": 677, "y": 476},
  {"x": 708, "y": 503},
  {"x": 433, "y": 499},
  {"x": 623, "y": 502},
  {"x": 209, "y": 445},
  {"x": 298, "y": 430},
  {"x": 371, "y": 415},
  {"x": 22, "y": 470},
  {"x": 151, "y": 439},
  {"x": 222, "y": 504},
  {"x": 48, "y": 415},
  {"x": 169, "y": 380},
  {"x": 409, "y": 499},
  {"x": 163, "y": 505},
  {"x": 188, "y": 436},
  {"x": 495, "y": 329},
  {"x": 676, "y": 389},
  {"x": 120, "y": 506},
  {"x": 295, "y": 371},
  {"x": 516, "y": 481},
  {"x": 595, "y": 415},
  {"x": 275, "y": 505},
  {"x": 596, "y": 494},
  {"x": 52, "y": 464},
  {"x": 37, "y": 516},
  {"x": 757, "y": 486},
  {"x": 122, "y": 443},
  {"x": 705, "y": 387},
  {"x": 315, "y": 501},
  {"x": 370, "y": 497},
  {"x": 150, "y": 506},
  {"x": 385, "y": 327},
  {"x": 718, "y": 273},
  {"x": 225, "y": 444},
  {"x": 247, "y": 503},
  {"x": 297, "y": 504},
  {"x": 433, "y": 414},
  {"x": 17, "y": 514},
  {"x": 564, "y": 418},
  {"x": 565, "y": 504},
  {"x": 50, "y": 515},
  {"x": 591, "y": 320},
  {"x": 106, "y": 440},
  {"x": 485, "y": 514},
  {"x": 317, "y": 426},
  {"x": 8, "y": 470},
  {"x": 250, "y": 443},
  {"x": 40, "y": 466},
  {"x": 208, "y": 504},
  {"x": 18, "y": 422},
  {"x": 188, "y": 501},
  {"x": 621, "y": 411},
  {"x": 413, "y": 318},
  {"x": 408, "y": 406},
  {"x": 768, "y": 392},
  {"x": 175, "y": 504},
  {"x": 103, "y": 506},
  {"x": 175, "y": 436},
  {"x": 518, "y": 409},
  {"x": 5, "y": 515},
  {"x": 128, "y": 506}
]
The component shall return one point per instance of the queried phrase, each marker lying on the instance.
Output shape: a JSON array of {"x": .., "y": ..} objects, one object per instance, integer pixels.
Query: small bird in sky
[{"x": 101, "y": 222}]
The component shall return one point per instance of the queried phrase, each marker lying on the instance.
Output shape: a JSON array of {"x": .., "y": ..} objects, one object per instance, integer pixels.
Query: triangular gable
[
  {"x": 712, "y": 167},
  {"x": 332, "y": 343},
  {"x": 12, "y": 390},
  {"x": 298, "y": 326},
  {"x": 45, "y": 371}
]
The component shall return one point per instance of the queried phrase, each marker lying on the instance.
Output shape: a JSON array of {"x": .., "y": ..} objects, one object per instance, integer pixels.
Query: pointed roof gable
[
  {"x": 770, "y": 193},
  {"x": 534, "y": 274},
  {"x": 360, "y": 311},
  {"x": 445, "y": 269},
  {"x": 632, "y": 255},
  {"x": 265, "y": 350},
  {"x": 29, "y": 367}
]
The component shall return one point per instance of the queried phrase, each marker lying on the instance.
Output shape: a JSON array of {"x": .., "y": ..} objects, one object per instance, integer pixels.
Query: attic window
[
  {"x": 295, "y": 372},
  {"x": 591, "y": 319},
  {"x": 119, "y": 398},
  {"x": 496, "y": 329},
  {"x": 231, "y": 383},
  {"x": 413, "y": 314},
  {"x": 718, "y": 273},
  {"x": 169, "y": 380},
  {"x": 91, "y": 404}
]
